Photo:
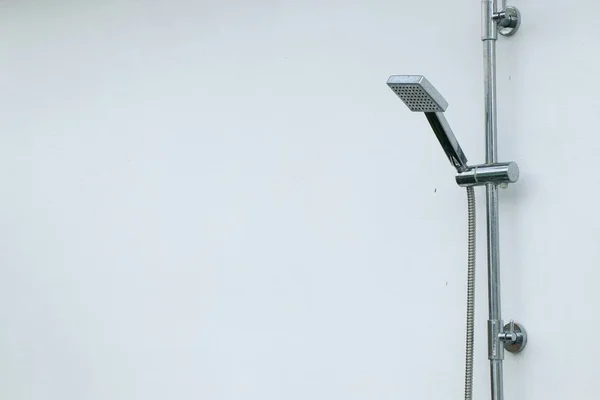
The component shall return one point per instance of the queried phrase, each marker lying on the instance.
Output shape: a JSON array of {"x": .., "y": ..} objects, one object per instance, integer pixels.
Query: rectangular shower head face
[{"x": 417, "y": 93}]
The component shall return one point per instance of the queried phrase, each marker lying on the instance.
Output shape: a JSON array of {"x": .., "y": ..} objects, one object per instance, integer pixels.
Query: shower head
[
  {"x": 417, "y": 93},
  {"x": 420, "y": 96}
]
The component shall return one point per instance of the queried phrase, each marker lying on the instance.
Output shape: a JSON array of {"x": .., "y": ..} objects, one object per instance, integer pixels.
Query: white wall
[{"x": 223, "y": 200}]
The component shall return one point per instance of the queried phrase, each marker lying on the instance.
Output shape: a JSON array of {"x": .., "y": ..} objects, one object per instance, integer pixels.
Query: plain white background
[{"x": 223, "y": 200}]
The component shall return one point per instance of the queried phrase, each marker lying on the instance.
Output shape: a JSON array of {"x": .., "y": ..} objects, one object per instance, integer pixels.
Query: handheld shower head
[
  {"x": 417, "y": 93},
  {"x": 420, "y": 96}
]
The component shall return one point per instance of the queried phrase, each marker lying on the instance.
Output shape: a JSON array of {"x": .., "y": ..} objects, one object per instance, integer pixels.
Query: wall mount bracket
[
  {"x": 514, "y": 337},
  {"x": 508, "y": 21}
]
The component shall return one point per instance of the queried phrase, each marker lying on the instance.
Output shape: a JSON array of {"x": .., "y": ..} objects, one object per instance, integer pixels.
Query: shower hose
[{"x": 470, "y": 294}]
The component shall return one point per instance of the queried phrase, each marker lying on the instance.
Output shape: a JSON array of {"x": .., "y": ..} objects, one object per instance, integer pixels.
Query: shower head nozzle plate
[{"x": 417, "y": 93}]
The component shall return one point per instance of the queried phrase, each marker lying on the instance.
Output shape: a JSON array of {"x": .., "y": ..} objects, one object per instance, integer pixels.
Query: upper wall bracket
[{"x": 508, "y": 21}]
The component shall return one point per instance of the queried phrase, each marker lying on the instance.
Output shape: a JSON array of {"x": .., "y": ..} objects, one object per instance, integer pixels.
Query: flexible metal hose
[{"x": 470, "y": 294}]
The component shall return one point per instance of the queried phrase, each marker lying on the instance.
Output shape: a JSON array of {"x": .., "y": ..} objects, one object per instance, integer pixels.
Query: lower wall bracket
[{"x": 514, "y": 337}]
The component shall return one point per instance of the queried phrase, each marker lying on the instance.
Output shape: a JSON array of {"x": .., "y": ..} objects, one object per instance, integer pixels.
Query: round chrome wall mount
[
  {"x": 519, "y": 344},
  {"x": 511, "y": 21}
]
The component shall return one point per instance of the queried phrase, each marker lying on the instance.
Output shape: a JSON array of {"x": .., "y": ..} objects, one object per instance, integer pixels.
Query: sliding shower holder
[{"x": 498, "y": 173}]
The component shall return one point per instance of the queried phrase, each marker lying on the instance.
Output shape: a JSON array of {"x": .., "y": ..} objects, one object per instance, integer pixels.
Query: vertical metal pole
[{"x": 495, "y": 325}]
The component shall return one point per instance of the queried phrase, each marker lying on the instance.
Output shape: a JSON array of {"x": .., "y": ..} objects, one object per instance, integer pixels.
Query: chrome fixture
[
  {"x": 514, "y": 337},
  {"x": 506, "y": 21},
  {"x": 420, "y": 96},
  {"x": 498, "y": 173}
]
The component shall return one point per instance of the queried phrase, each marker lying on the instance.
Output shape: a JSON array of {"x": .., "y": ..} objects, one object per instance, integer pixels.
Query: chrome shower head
[
  {"x": 417, "y": 93},
  {"x": 420, "y": 96}
]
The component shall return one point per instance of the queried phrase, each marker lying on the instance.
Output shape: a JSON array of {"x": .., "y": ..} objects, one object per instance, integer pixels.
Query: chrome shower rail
[{"x": 506, "y": 22}]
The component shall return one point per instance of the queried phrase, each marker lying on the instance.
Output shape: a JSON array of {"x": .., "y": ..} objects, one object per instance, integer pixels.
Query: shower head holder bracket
[{"x": 496, "y": 173}]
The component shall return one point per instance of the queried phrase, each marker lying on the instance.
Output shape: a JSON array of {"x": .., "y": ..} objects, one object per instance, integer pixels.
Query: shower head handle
[
  {"x": 447, "y": 140},
  {"x": 420, "y": 96}
]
